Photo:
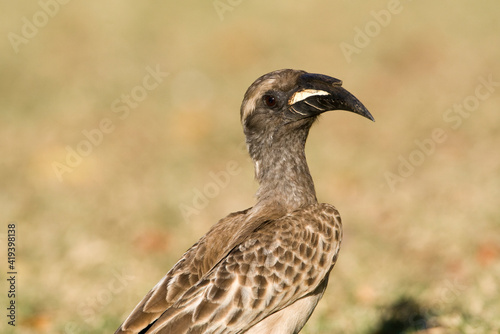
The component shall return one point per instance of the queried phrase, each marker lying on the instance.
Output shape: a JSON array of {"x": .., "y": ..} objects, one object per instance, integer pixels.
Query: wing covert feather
[
  {"x": 280, "y": 262},
  {"x": 194, "y": 263}
]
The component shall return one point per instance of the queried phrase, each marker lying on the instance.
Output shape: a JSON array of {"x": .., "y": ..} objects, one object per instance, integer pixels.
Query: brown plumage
[{"x": 264, "y": 269}]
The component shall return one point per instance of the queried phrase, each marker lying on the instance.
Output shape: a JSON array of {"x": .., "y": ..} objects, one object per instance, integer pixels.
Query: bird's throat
[{"x": 282, "y": 172}]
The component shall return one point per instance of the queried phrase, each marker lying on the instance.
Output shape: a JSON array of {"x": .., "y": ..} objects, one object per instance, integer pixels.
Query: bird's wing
[
  {"x": 185, "y": 273},
  {"x": 280, "y": 262}
]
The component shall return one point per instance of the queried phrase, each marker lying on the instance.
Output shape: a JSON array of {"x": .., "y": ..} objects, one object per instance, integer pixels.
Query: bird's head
[{"x": 290, "y": 99}]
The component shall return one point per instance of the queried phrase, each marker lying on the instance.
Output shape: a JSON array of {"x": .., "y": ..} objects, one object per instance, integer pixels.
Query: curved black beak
[{"x": 317, "y": 93}]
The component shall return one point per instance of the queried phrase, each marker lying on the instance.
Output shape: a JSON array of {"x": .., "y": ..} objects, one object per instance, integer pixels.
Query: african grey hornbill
[{"x": 263, "y": 269}]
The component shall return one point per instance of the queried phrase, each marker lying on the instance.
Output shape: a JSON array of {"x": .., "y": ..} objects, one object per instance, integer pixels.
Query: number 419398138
[{"x": 11, "y": 246}]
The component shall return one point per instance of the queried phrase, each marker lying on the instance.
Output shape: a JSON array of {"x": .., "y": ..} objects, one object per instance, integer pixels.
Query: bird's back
[{"x": 275, "y": 265}]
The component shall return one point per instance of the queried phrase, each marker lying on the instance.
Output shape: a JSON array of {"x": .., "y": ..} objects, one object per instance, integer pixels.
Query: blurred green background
[{"x": 418, "y": 190}]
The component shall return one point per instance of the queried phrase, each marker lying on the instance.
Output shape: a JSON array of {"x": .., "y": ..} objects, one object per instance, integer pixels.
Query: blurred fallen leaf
[
  {"x": 366, "y": 294},
  {"x": 488, "y": 253},
  {"x": 152, "y": 241},
  {"x": 38, "y": 322}
]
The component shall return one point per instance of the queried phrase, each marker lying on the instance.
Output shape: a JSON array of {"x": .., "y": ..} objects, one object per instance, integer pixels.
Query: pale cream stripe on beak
[{"x": 304, "y": 94}]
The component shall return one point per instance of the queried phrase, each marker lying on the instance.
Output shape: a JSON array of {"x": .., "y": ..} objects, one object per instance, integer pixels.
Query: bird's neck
[{"x": 281, "y": 170}]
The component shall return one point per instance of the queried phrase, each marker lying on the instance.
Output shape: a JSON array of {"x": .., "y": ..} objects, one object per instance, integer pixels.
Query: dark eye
[{"x": 269, "y": 100}]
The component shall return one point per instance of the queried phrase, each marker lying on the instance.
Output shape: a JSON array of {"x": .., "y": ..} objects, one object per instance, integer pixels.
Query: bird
[{"x": 263, "y": 269}]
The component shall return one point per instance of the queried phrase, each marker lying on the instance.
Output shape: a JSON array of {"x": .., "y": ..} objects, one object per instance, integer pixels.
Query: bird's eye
[{"x": 269, "y": 100}]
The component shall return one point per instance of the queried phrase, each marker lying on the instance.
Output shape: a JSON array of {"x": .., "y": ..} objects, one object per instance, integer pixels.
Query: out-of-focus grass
[{"x": 424, "y": 252}]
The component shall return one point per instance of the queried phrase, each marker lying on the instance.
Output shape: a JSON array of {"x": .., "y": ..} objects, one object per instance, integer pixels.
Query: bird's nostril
[{"x": 337, "y": 83}]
